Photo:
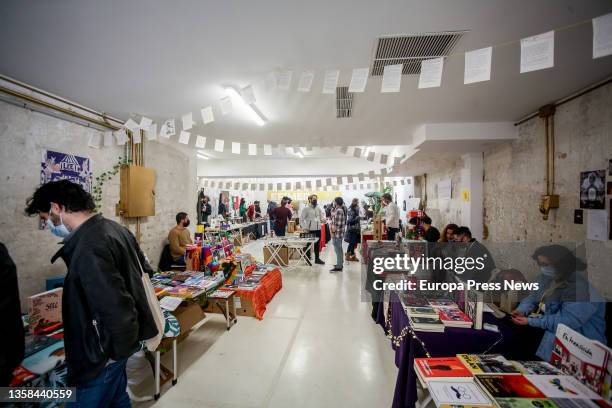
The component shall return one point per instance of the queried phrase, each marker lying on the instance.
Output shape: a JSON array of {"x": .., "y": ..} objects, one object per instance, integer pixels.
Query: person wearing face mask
[
  {"x": 311, "y": 219},
  {"x": 54, "y": 224},
  {"x": 105, "y": 311},
  {"x": 564, "y": 296},
  {"x": 179, "y": 237}
]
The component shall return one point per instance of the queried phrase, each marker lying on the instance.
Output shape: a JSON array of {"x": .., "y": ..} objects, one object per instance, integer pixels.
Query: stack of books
[
  {"x": 426, "y": 324},
  {"x": 455, "y": 318},
  {"x": 470, "y": 380}
]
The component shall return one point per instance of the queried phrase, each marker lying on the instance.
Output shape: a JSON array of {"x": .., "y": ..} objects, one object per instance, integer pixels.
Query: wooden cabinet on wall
[{"x": 136, "y": 192}]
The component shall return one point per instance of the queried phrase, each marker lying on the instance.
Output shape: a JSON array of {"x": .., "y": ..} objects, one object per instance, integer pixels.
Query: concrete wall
[
  {"x": 25, "y": 136},
  {"x": 443, "y": 211},
  {"x": 515, "y": 180}
]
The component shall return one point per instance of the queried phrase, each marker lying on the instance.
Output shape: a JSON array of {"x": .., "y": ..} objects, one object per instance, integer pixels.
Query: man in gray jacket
[{"x": 311, "y": 219}]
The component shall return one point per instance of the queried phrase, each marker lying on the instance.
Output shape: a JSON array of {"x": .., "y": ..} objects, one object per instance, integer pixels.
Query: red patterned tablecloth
[{"x": 270, "y": 284}]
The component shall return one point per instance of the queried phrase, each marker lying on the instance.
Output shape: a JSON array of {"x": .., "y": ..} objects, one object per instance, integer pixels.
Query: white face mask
[{"x": 57, "y": 230}]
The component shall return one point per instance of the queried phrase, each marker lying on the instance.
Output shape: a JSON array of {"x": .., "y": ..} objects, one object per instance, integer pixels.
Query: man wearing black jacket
[
  {"x": 104, "y": 305},
  {"x": 12, "y": 340}
]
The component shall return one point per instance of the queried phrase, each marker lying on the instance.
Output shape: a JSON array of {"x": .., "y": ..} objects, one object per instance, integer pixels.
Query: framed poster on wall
[{"x": 58, "y": 166}]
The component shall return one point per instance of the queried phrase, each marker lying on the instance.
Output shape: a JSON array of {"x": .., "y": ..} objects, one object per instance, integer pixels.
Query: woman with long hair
[{"x": 447, "y": 234}]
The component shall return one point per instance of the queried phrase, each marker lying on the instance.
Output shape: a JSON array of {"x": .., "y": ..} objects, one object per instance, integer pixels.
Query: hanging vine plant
[{"x": 104, "y": 178}]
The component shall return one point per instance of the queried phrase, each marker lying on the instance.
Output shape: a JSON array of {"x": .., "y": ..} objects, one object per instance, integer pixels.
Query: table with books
[
  {"x": 253, "y": 293},
  {"x": 424, "y": 341}
]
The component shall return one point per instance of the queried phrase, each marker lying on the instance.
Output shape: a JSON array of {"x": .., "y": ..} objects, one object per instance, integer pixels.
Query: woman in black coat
[{"x": 353, "y": 230}]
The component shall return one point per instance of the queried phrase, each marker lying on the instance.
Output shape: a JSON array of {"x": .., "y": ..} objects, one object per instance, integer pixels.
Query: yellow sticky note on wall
[{"x": 465, "y": 195}]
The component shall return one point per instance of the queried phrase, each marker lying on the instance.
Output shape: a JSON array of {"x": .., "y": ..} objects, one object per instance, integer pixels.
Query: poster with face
[{"x": 593, "y": 189}]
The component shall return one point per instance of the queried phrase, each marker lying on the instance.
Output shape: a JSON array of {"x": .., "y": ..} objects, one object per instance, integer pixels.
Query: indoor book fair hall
[{"x": 289, "y": 204}]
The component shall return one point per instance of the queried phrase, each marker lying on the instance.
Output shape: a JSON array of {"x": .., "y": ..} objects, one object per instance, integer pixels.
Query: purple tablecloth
[{"x": 514, "y": 342}]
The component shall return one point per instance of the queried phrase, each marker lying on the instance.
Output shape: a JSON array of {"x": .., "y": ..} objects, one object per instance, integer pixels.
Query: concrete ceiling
[{"x": 163, "y": 59}]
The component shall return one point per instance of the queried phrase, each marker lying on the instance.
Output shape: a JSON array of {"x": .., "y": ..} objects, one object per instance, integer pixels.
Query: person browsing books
[
  {"x": 179, "y": 237},
  {"x": 311, "y": 219},
  {"x": 392, "y": 217},
  {"x": 105, "y": 311},
  {"x": 564, "y": 296},
  {"x": 282, "y": 215}
]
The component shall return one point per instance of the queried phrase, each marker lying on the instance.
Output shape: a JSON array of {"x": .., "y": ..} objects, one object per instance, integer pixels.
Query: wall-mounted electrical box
[{"x": 136, "y": 192}]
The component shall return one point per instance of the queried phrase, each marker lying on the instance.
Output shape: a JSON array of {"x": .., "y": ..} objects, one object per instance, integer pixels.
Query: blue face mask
[
  {"x": 59, "y": 231},
  {"x": 548, "y": 271}
]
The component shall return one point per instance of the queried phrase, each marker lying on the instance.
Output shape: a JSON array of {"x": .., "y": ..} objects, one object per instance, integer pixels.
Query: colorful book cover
[
  {"x": 34, "y": 343},
  {"x": 45, "y": 310},
  {"x": 186, "y": 292},
  {"x": 509, "y": 386},
  {"x": 455, "y": 316},
  {"x": 425, "y": 320},
  {"x": 21, "y": 376},
  {"x": 441, "y": 367},
  {"x": 525, "y": 403},
  {"x": 457, "y": 392},
  {"x": 46, "y": 359},
  {"x": 488, "y": 364},
  {"x": 561, "y": 386},
  {"x": 581, "y": 357}
]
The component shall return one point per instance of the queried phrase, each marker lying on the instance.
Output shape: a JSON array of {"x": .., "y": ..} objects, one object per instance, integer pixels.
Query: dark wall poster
[
  {"x": 593, "y": 189},
  {"x": 59, "y": 166}
]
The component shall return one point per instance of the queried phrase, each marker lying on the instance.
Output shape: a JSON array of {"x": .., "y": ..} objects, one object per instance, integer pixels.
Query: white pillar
[{"x": 472, "y": 193}]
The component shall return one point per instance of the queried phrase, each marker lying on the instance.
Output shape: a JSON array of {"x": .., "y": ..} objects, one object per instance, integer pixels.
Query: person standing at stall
[
  {"x": 206, "y": 209},
  {"x": 13, "y": 340},
  {"x": 311, "y": 219},
  {"x": 242, "y": 209},
  {"x": 353, "y": 230},
  {"x": 282, "y": 215},
  {"x": 337, "y": 229},
  {"x": 105, "y": 311}
]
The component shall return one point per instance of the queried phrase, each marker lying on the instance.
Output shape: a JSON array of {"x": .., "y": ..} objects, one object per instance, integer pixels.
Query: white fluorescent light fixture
[
  {"x": 253, "y": 112},
  {"x": 202, "y": 156},
  {"x": 300, "y": 155}
]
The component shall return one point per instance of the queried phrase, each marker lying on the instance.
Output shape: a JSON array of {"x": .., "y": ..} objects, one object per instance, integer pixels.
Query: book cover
[
  {"x": 457, "y": 393},
  {"x": 581, "y": 357},
  {"x": 474, "y": 307},
  {"x": 35, "y": 343},
  {"x": 422, "y": 311},
  {"x": 46, "y": 359},
  {"x": 525, "y": 403},
  {"x": 488, "y": 364},
  {"x": 441, "y": 367},
  {"x": 561, "y": 386},
  {"x": 579, "y": 403},
  {"x": 45, "y": 310},
  {"x": 443, "y": 304},
  {"x": 454, "y": 317},
  {"x": 509, "y": 386},
  {"x": 21, "y": 376},
  {"x": 537, "y": 367}
]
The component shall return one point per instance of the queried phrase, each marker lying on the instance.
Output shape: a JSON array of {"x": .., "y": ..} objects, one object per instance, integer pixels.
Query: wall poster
[
  {"x": 593, "y": 189},
  {"x": 59, "y": 166}
]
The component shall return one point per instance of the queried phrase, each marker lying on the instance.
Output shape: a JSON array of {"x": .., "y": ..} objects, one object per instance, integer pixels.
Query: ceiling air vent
[
  {"x": 411, "y": 49},
  {"x": 344, "y": 102}
]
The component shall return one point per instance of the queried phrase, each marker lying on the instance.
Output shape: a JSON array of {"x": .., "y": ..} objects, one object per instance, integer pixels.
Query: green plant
[{"x": 96, "y": 190}]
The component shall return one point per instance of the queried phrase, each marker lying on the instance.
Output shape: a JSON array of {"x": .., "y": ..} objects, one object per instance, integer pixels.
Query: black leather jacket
[{"x": 104, "y": 305}]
